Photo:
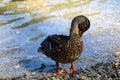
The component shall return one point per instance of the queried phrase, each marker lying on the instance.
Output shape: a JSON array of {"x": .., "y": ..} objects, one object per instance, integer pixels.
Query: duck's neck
[{"x": 74, "y": 37}]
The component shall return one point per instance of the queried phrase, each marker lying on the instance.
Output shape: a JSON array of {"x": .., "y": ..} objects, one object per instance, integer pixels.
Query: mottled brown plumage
[{"x": 66, "y": 49}]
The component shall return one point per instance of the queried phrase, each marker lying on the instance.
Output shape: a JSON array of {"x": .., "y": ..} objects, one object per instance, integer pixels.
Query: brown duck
[{"x": 66, "y": 49}]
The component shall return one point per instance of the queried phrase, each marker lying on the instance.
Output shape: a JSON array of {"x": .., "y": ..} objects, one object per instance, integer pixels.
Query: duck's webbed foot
[
  {"x": 72, "y": 69},
  {"x": 59, "y": 72}
]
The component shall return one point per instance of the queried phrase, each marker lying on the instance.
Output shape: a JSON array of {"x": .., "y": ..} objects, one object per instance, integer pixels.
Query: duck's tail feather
[{"x": 39, "y": 49}]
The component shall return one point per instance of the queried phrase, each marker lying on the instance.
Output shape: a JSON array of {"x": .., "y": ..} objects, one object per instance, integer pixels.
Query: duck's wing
[{"x": 53, "y": 43}]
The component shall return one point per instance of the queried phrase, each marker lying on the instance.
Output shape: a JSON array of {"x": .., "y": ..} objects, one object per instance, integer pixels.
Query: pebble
[
  {"x": 23, "y": 79},
  {"x": 17, "y": 66},
  {"x": 99, "y": 71},
  {"x": 28, "y": 75},
  {"x": 53, "y": 78},
  {"x": 40, "y": 77},
  {"x": 48, "y": 79},
  {"x": 33, "y": 73},
  {"x": 117, "y": 54},
  {"x": 84, "y": 78},
  {"x": 115, "y": 64}
]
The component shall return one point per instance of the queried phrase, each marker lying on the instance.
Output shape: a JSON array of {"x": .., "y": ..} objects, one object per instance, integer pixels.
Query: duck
[{"x": 66, "y": 49}]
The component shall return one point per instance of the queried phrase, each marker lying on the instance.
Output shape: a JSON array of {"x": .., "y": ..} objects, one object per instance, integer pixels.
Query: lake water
[{"x": 25, "y": 23}]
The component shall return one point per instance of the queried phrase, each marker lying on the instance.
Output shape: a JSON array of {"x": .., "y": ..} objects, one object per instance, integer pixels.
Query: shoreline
[{"x": 99, "y": 71}]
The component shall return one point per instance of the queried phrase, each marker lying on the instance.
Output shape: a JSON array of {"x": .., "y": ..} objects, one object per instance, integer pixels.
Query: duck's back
[
  {"x": 61, "y": 49},
  {"x": 53, "y": 44}
]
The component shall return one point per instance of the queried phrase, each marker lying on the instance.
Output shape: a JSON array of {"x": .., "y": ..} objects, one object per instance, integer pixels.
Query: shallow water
[{"x": 25, "y": 23}]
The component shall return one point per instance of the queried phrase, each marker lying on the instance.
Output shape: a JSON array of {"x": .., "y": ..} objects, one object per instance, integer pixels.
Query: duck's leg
[
  {"x": 72, "y": 68},
  {"x": 59, "y": 72}
]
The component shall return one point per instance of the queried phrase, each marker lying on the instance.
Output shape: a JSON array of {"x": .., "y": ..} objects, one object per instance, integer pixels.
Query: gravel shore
[{"x": 99, "y": 71}]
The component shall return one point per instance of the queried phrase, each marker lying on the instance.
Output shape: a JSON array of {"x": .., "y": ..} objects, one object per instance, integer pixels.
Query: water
[{"x": 25, "y": 23}]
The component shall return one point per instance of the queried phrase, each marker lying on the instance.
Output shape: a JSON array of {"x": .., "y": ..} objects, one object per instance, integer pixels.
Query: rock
[
  {"x": 33, "y": 73},
  {"x": 66, "y": 76},
  {"x": 54, "y": 74},
  {"x": 17, "y": 66},
  {"x": 98, "y": 71},
  {"x": 28, "y": 75},
  {"x": 23, "y": 78},
  {"x": 66, "y": 70},
  {"x": 53, "y": 78},
  {"x": 117, "y": 54},
  {"x": 115, "y": 64},
  {"x": 84, "y": 78},
  {"x": 48, "y": 79},
  {"x": 40, "y": 77}
]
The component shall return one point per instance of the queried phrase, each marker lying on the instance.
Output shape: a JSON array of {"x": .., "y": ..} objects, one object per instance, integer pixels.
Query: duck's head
[{"x": 79, "y": 25}]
